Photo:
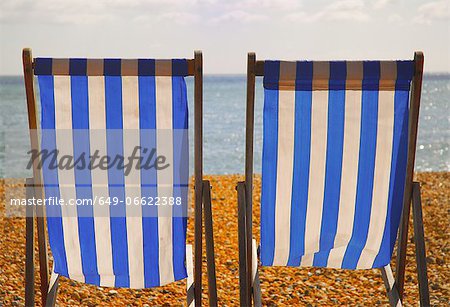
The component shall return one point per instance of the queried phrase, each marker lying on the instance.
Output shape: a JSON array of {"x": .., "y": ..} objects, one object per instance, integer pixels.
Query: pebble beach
[{"x": 280, "y": 286}]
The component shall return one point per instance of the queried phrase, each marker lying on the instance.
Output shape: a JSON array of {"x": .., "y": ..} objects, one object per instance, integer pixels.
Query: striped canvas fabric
[
  {"x": 111, "y": 106},
  {"x": 334, "y": 162}
]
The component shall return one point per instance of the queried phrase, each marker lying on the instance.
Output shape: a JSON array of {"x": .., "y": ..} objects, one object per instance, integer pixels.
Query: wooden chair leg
[
  {"x": 257, "y": 291},
  {"x": 242, "y": 234},
  {"x": 401, "y": 249},
  {"x": 36, "y": 191},
  {"x": 419, "y": 239},
  {"x": 391, "y": 286},
  {"x": 209, "y": 238},
  {"x": 29, "y": 246},
  {"x": 43, "y": 256}
]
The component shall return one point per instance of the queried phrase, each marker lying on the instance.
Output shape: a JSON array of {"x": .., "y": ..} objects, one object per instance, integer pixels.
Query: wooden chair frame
[
  {"x": 249, "y": 283},
  {"x": 49, "y": 288}
]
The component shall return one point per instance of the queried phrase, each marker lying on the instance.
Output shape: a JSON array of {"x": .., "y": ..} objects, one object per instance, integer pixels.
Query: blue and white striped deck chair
[
  {"x": 338, "y": 152},
  {"x": 128, "y": 228}
]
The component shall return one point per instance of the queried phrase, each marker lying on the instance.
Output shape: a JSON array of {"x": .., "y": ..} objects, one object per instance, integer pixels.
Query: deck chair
[
  {"x": 115, "y": 106},
  {"x": 339, "y": 141}
]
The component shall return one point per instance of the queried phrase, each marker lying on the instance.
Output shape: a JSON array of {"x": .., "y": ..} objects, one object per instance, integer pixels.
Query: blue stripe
[
  {"x": 338, "y": 75},
  {"x": 179, "y": 67},
  {"x": 364, "y": 189},
  {"x": 300, "y": 180},
  {"x": 271, "y": 75},
  {"x": 47, "y": 96},
  {"x": 114, "y": 137},
  {"x": 398, "y": 176},
  {"x": 405, "y": 73},
  {"x": 146, "y": 67},
  {"x": 333, "y": 168},
  {"x": 50, "y": 176},
  {"x": 304, "y": 73},
  {"x": 371, "y": 78},
  {"x": 180, "y": 174},
  {"x": 77, "y": 67},
  {"x": 43, "y": 66},
  {"x": 112, "y": 67},
  {"x": 269, "y": 167},
  {"x": 81, "y": 146},
  {"x": 147, "y": 123}
]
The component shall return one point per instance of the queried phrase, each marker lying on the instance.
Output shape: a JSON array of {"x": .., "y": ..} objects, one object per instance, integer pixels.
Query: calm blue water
[{"x": 224, "y": 125}]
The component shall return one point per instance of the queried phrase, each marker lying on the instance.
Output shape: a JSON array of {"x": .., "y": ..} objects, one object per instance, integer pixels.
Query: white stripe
[
  {"x": 389, "y": 276},
  {"x": 254, "y": 260},
  {"x": 130, "y": 114},
  {"x": 380, "y": 195},
  {"x": 391, "y": 281},
  {"x": 349, "y": 177},
  {"x": 66, "y": 177},
  {"x": 307, "y": 260},
  {"x": 190, "y": 269},
  {"x": 165, "y": 177},
  {"x": 99, "y": 177},
  {"x": 286, "y": 119},
  {"x": 319, "y": 124},
  {"x": 53, "y": 277}
]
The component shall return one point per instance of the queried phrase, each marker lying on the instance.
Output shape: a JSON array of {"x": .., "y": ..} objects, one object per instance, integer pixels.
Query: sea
[{"x": 224, "y": 125}]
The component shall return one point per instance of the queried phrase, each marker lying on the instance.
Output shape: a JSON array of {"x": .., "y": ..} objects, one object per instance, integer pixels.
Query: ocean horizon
[{"x": 224, "y": 99}]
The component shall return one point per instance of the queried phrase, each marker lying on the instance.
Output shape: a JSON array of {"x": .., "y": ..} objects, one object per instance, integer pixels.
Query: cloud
[
  {"x": 395, "y": 18},
  {"x": 351, "y": 10},
  {"x": 268, "y": 4},
  {"x": 436, "y": 10},
  {"x": 238, "y": 16},
  {"x": 51, "y": 11},
  {"x": 63, "y": 12},
  {"x": 90, "y": 11},
  {"x": 180, "y": 17},
  {"x": 176, "y": 17},
  {"x": 183, "y": 12},
  {"x": 380, "y": 4},
  {"x": 346, "y": 10}
]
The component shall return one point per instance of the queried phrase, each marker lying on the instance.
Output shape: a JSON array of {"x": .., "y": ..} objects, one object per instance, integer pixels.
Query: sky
[{"x": 226, "y": 30}]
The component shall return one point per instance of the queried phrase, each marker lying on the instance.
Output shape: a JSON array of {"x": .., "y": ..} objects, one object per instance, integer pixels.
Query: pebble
[{"x": 279, "y": 286}]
